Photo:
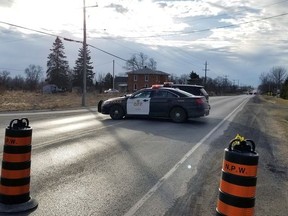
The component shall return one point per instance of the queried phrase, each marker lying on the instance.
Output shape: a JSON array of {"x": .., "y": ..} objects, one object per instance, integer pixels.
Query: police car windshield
[{"x": 142, "y": 94}]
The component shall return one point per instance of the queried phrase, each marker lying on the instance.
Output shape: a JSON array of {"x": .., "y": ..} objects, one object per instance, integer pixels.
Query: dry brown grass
[
  {"x": 275, "y": 100},
  {"x": 21, "y": 101},
  {"x": 280, "y": 108},
  {"x": 279, "y": 112}
]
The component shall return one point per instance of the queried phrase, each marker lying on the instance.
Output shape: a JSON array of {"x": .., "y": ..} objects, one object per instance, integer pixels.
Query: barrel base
[
  {"x": 30, "y": 205},
  {"x": 218, "y": 213}
]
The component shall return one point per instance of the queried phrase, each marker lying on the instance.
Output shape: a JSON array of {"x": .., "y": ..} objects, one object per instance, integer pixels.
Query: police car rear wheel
[
  {"x": 116, "y": 112},
  {"x": 178, "y": 114}
]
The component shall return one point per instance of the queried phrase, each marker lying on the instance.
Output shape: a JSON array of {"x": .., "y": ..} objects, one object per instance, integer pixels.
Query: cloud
[
  {"x": 6, "y": 3},
  {"x": 240, "y": 38},
  {"x": 118, "y": 8}
]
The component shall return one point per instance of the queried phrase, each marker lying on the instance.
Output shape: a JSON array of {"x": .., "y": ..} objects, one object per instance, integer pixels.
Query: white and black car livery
[{"x": 156, "y": 102}]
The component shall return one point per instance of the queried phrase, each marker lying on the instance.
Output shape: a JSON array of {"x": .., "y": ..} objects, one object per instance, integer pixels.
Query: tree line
[
  {"x": 275, "y": 82},
  {"x": 59, "y": 73}
]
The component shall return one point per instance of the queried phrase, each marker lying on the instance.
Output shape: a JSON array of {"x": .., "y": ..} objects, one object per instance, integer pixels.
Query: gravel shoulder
[{"x": 264, "y": 122}]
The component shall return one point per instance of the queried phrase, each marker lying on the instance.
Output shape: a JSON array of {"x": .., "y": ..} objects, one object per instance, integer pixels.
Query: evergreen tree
[
  {"x": 194, "y": 78},
  {"x": 108, "y": 80},
  {"x": 77, "y": 78},
  {"x": 57, "y": 66}
]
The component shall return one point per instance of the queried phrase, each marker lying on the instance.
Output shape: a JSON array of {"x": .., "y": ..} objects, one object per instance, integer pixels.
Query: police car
[{"x": 156, "y": 102}]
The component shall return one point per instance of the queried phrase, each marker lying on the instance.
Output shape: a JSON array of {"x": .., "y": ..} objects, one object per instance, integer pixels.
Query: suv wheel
[{"x": 178, "y": 114}]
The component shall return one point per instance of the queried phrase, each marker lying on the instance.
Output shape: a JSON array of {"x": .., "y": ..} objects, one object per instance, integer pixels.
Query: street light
[{"x": 84, "y": 53}]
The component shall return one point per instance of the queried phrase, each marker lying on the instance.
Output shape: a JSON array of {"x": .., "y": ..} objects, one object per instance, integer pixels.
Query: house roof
[
  {"x": 147, "y": 71},
  {"x": 121, "y": 79}
]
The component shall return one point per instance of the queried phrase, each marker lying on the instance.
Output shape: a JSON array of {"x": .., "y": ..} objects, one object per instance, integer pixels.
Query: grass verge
[{"x": 23, "y": 101}]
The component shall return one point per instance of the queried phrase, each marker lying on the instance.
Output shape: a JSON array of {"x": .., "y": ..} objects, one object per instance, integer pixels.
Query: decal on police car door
[{"x": 138, "y": 106}]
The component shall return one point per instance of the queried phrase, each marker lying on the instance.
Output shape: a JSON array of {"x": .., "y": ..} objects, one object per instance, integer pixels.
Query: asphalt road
[{"x": 84, "y": 163}]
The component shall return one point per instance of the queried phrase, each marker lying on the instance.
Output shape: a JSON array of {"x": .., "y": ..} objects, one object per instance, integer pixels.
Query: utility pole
[
  {"x": 113, "y": 73},
  {"x": 84, "y": 55},
  {"x": 205, "y": 69}
]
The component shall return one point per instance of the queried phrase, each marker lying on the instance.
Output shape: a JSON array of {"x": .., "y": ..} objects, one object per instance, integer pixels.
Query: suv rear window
[
  {"x": 196, "y": 90},
  {"x": 192, "y": 89}
]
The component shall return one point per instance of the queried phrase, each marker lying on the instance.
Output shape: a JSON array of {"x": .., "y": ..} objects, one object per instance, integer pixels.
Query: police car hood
[{"x": 124, "y": 97}]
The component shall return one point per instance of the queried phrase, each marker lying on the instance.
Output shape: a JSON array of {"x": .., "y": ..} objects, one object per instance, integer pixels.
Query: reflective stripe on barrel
[
  {"x": 239, "y": 169},
  {"x": 238, "y": 185},
  {"x": 18, "y": 141},
  {"x": 14, "y": 190}
]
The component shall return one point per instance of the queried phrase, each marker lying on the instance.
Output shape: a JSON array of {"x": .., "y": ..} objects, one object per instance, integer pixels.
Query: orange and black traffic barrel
[
  {"x": 16, "y": 165},
  {"x": 238, "y": 181}
]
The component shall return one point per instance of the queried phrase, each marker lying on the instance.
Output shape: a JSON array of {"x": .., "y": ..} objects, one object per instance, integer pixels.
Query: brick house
[{"x": 144, "y": 78}]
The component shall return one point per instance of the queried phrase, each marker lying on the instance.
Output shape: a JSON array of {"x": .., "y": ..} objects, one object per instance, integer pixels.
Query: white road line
[
  {"x": 47, "y": 112},
  {"x": 140, "y": 203}
]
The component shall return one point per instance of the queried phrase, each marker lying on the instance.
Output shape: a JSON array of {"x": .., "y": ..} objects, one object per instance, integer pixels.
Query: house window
[
  {"x": 146, "y": 85},
  {"x": 146, "y": 78},
  {"x": 135, "y": 87},
  {"x": 135, "y": 77}
]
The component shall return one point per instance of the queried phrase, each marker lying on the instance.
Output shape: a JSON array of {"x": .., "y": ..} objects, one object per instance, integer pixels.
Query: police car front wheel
[{"x": 116, "y": 112}]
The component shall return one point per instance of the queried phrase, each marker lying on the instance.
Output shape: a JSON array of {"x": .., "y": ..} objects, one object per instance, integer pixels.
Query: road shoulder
[{"x": 256, "y": 122}]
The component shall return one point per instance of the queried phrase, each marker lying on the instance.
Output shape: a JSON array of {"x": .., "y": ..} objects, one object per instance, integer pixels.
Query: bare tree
[
  {"x": 33, "y": 76},
  {"x": 140, "y": 61},
  {"x": 152, "y": 64},
  {"x": 184, "y": 79},
  {"x": 4, "y": 79},
  {"x": 4, "y": 76},
  {"x": 18, "y": 83},
  {"x": 278, "y": 75},
  {"x": 100, "y": 82},
  {"x": 267, "y": 84}
]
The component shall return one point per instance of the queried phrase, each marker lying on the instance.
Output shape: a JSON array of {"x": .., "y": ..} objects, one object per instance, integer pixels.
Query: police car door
[{"x": 139, "y": 104}]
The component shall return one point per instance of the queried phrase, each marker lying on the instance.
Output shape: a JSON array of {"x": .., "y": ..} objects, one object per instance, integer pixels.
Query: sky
[{"x": 239, "y": 39}]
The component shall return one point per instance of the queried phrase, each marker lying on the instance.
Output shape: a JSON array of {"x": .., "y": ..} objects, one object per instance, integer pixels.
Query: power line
[
  {"x": 107, "y": 52},
  {"x": 236, "y": 12},
  {"x": 64, "y": 38},
  {"x": 152, "y": 36},
  {"x": 41, "y": 32},
  {"x": 234, "y": 25},
  {"x": 209, "y": 29},
  {"x": 12, "y": 69}
]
